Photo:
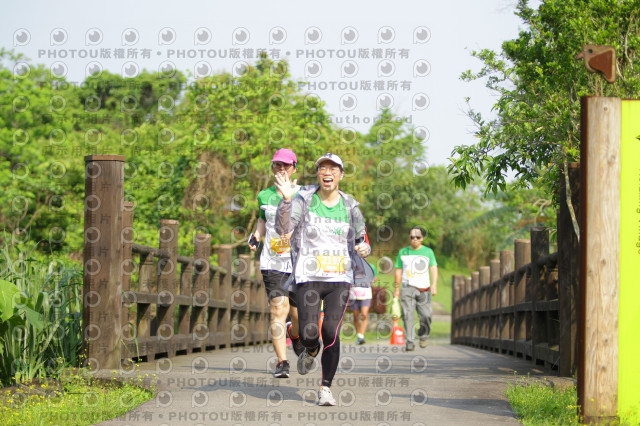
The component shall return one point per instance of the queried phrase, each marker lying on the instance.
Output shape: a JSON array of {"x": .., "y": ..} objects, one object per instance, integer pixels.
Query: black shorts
[{"x": 273, "y": 284}]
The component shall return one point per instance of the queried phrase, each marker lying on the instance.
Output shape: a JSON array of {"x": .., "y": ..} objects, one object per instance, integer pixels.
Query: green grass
[
  {"x": 537, "y": 403},
  {"x": 76, "y": 400}
]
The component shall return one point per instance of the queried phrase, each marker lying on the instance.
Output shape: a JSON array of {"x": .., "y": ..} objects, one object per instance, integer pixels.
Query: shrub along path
[{"x": 376, "y": 384}]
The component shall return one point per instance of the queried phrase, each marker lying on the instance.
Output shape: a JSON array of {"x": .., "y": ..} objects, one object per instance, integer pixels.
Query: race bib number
[
  {"x": 280, "y": 246},
  {"x": 331, "y": 264}
]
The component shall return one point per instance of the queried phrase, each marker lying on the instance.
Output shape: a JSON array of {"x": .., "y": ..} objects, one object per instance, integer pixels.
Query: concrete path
[{"x": 376, "y": 384}]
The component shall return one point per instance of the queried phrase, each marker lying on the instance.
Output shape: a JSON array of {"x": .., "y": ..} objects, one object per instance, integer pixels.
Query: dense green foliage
[
  {"x": 539, "y": 83},
  {"x": 200, "y": 153},
  {"x": 40, "y": 314}
]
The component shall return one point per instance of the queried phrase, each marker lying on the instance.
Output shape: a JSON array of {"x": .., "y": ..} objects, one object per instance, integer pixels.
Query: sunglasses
[
  {"x": 414, "y": 237},
  {"x": 280, "y": 165}
]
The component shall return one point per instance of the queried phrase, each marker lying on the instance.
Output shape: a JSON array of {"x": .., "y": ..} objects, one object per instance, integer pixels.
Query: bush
[{"x": 40, "y": 314}]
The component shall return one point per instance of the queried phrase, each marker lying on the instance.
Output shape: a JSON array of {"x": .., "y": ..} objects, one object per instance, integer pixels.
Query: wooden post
[
  {"x": 182, "y": 338},
  {"x": 168, "y": 270},
  {"x": 201, "y": 296},
  {"x": 475, "y": 306},
  {"x": 537, "y": 321},
  {"x": 224, "y": 316},
  {"x": 468, "y": 324},
  {"x": 457, "y": 281},
  {"x": 494, "y": 279},
  {"x": 127, "y": 269},
  {"x": 143, "y": 310},
  {"x": 243, "y": 299},
  {"x": 568, "y": 270},
  {"x": 599, "y": 257},
  {"x": 484, "y": 303},
  {"x": 522, "y": 249},
  {"x": 102, "y": 278},
  {"x": 506, "y": 304}
]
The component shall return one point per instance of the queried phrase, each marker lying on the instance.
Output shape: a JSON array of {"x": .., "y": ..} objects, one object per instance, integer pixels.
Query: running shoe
[
  {"x": 423, "y": 343},
  {"x": 306, "y": 360},
  {"x": 298, "y": 347},
  {"x": 282, "y": 370},
  {"x": 360, "y": 341},
  {"x": 325, "y": 397}
]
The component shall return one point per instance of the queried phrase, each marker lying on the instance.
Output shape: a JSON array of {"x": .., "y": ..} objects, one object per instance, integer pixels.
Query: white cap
[{"x": 330, "y": 157}]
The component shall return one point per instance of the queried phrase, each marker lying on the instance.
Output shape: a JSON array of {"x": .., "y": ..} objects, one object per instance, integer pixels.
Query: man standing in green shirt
[{"x": 414, "y": 264}]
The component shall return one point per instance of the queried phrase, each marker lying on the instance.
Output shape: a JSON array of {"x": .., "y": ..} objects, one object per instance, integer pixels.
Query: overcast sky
[{"x": 356, "y": 55}]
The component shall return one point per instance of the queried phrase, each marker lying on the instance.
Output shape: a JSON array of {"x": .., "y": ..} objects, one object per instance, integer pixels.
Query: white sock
[{"x": 360, "y": 336}]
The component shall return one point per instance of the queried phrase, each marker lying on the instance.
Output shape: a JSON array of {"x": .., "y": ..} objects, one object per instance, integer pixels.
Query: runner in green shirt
[
  {"x": 326, "y": 231},
  {"x": 275, "y": 264}
]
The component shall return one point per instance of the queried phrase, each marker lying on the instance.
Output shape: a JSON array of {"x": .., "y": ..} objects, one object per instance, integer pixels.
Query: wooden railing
[
  {"x": 525, "y": 303},
  {"x": 142, "y": 302}
]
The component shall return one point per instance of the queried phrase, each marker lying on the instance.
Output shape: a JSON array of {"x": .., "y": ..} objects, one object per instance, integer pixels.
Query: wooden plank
[
  {"x": 599, "y": 243},
  {"x": 547, "y": 305}
]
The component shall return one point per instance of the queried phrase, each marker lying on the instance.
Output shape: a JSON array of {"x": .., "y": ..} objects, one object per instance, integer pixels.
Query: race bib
[
  {"x": 331, "y": 264},
  {"x": 280, "y": 246}
]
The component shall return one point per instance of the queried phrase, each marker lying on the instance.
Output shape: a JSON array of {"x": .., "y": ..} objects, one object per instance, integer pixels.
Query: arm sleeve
[
  {"x": 288, "y": 215},
  {"x": 358, "y": 223}
]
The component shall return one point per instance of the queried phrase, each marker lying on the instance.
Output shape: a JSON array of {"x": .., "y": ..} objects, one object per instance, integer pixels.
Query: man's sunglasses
[{"x": 414, "y": 237}]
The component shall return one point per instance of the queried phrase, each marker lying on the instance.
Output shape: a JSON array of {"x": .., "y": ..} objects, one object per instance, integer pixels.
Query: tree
[{"x": 539, "y": 83}]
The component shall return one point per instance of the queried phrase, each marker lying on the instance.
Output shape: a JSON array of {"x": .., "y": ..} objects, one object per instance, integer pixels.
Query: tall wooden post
[
  {"x": 599, "y": 257},
  {"x": 102, "y": 280},
  {"x": 568, "y": 270}
]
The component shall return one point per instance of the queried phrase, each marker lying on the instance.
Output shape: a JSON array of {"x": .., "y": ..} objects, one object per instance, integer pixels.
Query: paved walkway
[{"x": 377, "y": 384}]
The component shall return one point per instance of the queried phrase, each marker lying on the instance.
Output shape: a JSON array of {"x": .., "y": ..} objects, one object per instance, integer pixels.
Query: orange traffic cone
[{"x": 397, "y": 333}]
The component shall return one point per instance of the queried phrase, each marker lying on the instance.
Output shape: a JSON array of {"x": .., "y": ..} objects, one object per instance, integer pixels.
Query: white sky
[{"x": 453, "y": 30}]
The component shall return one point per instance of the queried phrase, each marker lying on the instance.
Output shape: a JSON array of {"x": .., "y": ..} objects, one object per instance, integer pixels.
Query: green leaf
[
  {"x": 34, "y": 318},
  {"x": 7, "y": 299}
]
